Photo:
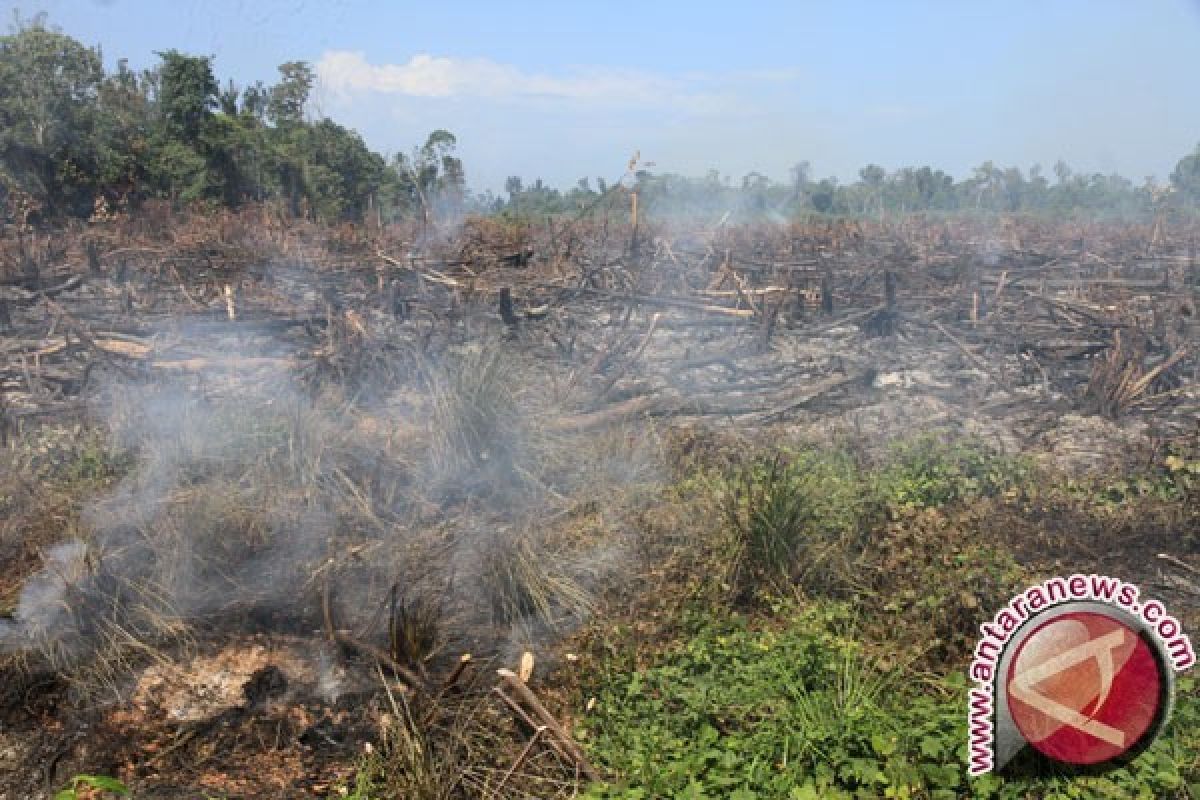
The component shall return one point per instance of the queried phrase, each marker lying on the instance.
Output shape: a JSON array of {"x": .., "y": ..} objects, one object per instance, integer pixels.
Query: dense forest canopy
[{"x": 76, "y": 140}]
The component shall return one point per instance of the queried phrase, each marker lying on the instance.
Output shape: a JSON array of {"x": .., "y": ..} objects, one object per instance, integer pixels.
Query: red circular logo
[{"x": 1084, "y": 688}]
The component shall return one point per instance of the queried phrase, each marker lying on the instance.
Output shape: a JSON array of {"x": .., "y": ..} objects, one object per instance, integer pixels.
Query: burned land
[{"x": 416, "y": 511}]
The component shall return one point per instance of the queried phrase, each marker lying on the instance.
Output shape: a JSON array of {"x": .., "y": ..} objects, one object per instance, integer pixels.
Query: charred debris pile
[{"x": 738, "y": 324}]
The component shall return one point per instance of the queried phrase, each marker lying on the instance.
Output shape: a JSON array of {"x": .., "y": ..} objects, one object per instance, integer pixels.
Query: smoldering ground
[
  {"x": 408, "y": 466},
  {"x": 260, "y": 501}
]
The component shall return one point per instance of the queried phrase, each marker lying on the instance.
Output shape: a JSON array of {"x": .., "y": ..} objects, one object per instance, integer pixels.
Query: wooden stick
[
  {"x": 1000, "y": 286},
  {"x": 464, "y": 661},
  {"x": 525, "y": 694},
  {"x": 670, "y": 302},
  {"x": 523, "y": 715},
  {"x": 519, "y": 760},
  {"x": 1170, "y": 559},
  {"x": 427, "y": 274}
]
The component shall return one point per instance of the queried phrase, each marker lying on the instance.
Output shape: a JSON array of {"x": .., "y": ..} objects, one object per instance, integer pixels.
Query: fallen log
[
  {"x": 202, "y": 363},
  {"x": 85, "y": 336},
  {"x": 799, "y": 399},
  {"x": 670, "y": 302},
  {"x": 846, "y": 320},
  {"x": 766, "y": 290},
  {"x": 657, "y": 405},
  {"x": 619, "y": 412},
  {"x": 25, "y": 297},
  {"x": 427, "y": 273}
]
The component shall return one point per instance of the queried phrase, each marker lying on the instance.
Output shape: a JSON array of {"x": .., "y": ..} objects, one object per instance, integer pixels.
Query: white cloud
[{"x": 349, "y": 72}]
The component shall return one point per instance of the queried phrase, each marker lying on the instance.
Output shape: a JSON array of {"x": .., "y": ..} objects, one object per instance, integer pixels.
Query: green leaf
[
  {"x": 930, "y": 747},
  {"x": 884, "y": 744},
  {"x": 805, "y": 792}
]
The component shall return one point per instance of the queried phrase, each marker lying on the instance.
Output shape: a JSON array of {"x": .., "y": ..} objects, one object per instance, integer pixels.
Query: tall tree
[
  {"x": 48, "y": 86},
  {"x": 872, "y": 176},
  {"x": 1186, "y": 177},
  {"x": 122, "y": 136},
  {"x": 285, "y": 104},
  {"x": 801, "y": 175},
  {"x": 187, "y": 94}
]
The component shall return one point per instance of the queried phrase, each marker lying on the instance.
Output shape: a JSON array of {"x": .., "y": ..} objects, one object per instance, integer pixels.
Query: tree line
[
  {"x": 878, "y": 192},
  {"x": 76, "y": 140}
]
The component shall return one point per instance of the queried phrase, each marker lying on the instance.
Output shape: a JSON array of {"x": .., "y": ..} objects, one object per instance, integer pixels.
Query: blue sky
[{"x": 566, "y": 89}]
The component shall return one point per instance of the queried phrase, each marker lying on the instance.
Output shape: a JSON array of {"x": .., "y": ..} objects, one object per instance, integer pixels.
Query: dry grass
[
  {"x": 524, "y": 582},
  {"x": 479, "y": 429},
  {"x": 241, "y": 503},
  {"x": 415, "y": 621},
  {"x": 461, "y": 746},
  {"x": 1121, "y": 379}
]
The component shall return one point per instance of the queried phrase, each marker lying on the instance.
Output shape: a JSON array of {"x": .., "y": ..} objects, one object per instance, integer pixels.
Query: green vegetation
[
  {"x": 847, "y": 688},
  {"x": 791, "y": 515},
  {"x": 805, "y": 516},
  {"x": 93, "y": 784},
  {"x": 76, "y": 141},
  {"x": 988, "y": 189},
  {"x": 790, "y": 705}
]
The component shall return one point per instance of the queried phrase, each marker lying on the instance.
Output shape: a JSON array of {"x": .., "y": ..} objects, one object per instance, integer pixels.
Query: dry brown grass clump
[
  {"x": 525, "y": 581},
  {"x": 1121, "y": 379},
  {"x": 448, "y": 508}
]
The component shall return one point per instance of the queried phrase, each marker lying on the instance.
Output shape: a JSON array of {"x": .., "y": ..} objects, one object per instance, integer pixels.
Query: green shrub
[
  {"x": 795, "y": 517},
  {"x": 793, "y": 708},
  {"x": 928, "y": 473}
]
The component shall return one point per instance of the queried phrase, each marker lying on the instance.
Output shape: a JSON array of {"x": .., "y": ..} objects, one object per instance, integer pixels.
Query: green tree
[
  {"x": 513, "y": 186},
  {"x": 755, "y": 188},
  {"x": 48, "y": 88},
  {"x": 341, "y": 173},
  {"x": 801, "y": 181},
  {"x": 433, "y": 179},
  {"x": 187, "y": 94},
  {"x": 255, "y": 100},
  {"x": 228, "y": 101},
  {"x": 1186, "y": 177},
  {"x": 935, "y": 189},
  {"x": 286, "y": 100},
  {"x": 186, "y": 155},
  {"x": 872, "y": 177},
  {"x": 122, "y": 136},
  {"x": 985, "y": 184},
  {"x": 824, "y": 195}
]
